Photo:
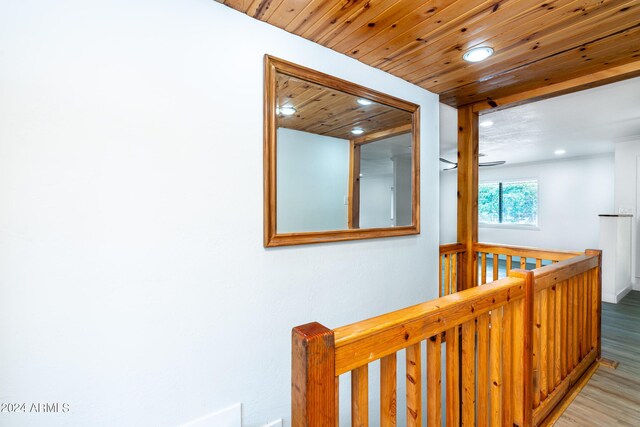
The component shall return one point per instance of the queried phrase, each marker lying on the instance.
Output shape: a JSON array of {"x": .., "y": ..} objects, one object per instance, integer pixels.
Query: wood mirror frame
[{"x": 272, "y": 238}]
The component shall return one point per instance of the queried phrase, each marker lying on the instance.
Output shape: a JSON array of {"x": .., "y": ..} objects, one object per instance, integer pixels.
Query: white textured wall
[
  {"x": 448, "y": 207},
  {"x": 572, "y": 192},
  {"x": 133, "y": 281},
  {"x": 627, "y": 181},
  {"x": 312, "y": 181},
  {"x": 375, "y": 201}
]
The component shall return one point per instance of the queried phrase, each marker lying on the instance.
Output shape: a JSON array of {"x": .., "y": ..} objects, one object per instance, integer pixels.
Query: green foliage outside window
[{"x": 508, "y": 202}]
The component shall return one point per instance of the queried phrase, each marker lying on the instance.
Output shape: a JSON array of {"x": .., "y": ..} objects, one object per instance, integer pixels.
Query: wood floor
[{"x": 612, "y": 396}]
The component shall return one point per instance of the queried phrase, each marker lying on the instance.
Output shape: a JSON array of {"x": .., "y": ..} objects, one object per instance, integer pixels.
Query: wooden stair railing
[
  {"x": 488, "y": 252},
  {"x": 451, "y": 260},
  {"x": 513, "y": 349}
]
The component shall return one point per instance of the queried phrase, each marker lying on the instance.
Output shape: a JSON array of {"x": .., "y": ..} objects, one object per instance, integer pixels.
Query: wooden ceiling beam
[
  {"x": 515, "y": 45},
  {"x": 616, "y": 50},
  {"x": 555, "y": 40},
  {"x": 596, "y": 79},
  {"x": 536, "y": 42}
]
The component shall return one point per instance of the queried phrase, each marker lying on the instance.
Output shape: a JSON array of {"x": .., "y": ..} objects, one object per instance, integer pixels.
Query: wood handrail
[
  {"x": 514, "y": 348},
  {"x": 525, "y": 251},
  {"x": 552, "y": 274},
  {"x": 450, "y": 248},
  {"x": 368, "y": 340}
]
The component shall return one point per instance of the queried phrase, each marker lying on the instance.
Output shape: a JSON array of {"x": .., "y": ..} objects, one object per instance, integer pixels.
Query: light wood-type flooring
[{"x": 612, "y": 396}]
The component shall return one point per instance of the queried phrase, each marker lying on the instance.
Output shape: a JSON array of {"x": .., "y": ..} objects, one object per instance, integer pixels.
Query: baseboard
[
  {"x": 559, "y": 409},
  {"x": 623, "y": 293},
  {"x": 615, "y": 298},
  {"x": 610, "y": 298}
]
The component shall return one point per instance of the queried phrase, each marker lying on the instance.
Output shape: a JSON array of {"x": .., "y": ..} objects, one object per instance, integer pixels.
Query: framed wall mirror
[{"x": 341, "y": 161}]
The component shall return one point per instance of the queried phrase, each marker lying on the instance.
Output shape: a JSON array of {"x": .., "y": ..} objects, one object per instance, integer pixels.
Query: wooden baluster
[
  {"x": 388, "y": 380},
  {"x": 483, "y": 270},
  {"x": 483, "y": 370},
  {"x": 538, "y": 263},
  {"x": 578, "y": 297},
  {"x": 597, "y": 299},
  {"x": 508, "y": 264},
  {"x": 414, "y": 387},
  {"x": 565, "y": 332},
  {"x": 468, "y": 373},
  {"x": 434, "y": 381},
  {"x": 587, "y": 298},
  {"x": 576, "y": 324},
  {"x": 496, "y": 266},
  {"x": 443, "y": 285},
  {"x": 474, "y": 254},
  {"x": 551, "y": 341},
  {"x": 595, "y": 304},
  {"x": 313, "y": 399},
  {"x": 507, "y": 362},
  {"x": 360, "y": 396},
  {"x": 523, "y": 263},
  {"x": 518, "y": 357},
  {"x": 447, "y": 274},
  {"x": 583, "y": 306},
  {"x": 528, "y": 350},
  {"x": 543, "y": 360},
  {"x": 454, "y": 274},
  {"x": 453, "y": 377},
  {"x": 495, "y": 367},
  {"x": 568, "y": 331},
  {"x": 557, "y": 374},
  {"x": 537, "y": 326}
]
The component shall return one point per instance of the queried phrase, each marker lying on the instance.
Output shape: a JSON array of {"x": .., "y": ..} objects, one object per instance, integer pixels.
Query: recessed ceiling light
[
  {"x": 363, "y": 101},
  {"x": 486, "y": 123},
  {"x": 357, "y": 131},
  {"x": 478, "y": 54},
  {"x": 559, "y": 152},
  {"x": 286, "y": 111}
]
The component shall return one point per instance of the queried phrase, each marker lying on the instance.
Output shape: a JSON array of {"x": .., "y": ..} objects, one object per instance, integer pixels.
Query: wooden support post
[
  {"x": 353, "y": 218},
  {"x": 527, "y": 353},
  {"x": 313, "y": 384},
  {"x": 598, "y": 300},
  {"x": 468, "y": 190}
]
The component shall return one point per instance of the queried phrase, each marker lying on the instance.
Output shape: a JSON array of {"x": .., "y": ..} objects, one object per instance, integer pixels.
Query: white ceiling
[
  {"x": 582, "y": 123},
  {"x": 375, "y": 158}
]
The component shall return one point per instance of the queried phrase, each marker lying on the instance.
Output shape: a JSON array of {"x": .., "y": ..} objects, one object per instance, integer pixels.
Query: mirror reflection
[{"x": 343, "y": 161}]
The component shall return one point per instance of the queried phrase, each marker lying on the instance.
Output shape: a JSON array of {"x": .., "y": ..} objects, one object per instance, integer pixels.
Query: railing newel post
[
  {"x": 313, "y": 379},
  {"x": 527, "y": 362},
  {"x": 598, "y": 253}
]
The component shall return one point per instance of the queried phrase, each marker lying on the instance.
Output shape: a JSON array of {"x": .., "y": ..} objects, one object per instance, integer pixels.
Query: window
[{"x": 508, "y": 202}]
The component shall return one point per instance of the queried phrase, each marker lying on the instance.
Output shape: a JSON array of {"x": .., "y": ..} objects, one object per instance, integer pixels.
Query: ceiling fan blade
[
  {"x": 499, "y": 162},
  {"x": 447, "y": 161}
]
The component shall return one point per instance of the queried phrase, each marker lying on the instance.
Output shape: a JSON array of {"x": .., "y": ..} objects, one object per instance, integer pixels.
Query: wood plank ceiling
[
  {"x": 329, "y": 112},
  {"x": 536, "y": 42}
]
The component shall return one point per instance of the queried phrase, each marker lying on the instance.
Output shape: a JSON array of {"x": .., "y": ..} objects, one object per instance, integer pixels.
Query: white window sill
[{"x": 510, "y": 226}]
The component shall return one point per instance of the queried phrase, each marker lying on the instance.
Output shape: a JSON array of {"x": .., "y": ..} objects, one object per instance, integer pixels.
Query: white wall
[
  {"x": 572, "y": 193},
  {"x": 375, "y": 201},
  {"x": 312, "y": 180},
  {"x": 402, "y": 168},
  {"x": 627, "y": 174},
  {"x": 448, "y": 206},
  {"x": 133, "y": 281}
]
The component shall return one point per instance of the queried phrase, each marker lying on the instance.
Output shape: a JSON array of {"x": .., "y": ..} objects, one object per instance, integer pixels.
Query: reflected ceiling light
[
  {"x": 363, "y": 101},
  {"x": 478, "y": 54},
  {"x": 559, "y": 152},
  {"x": 486, "y": 124},
  {"x": 286, "y": 111},
  {"x": 357, "y": 131}
]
